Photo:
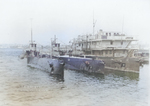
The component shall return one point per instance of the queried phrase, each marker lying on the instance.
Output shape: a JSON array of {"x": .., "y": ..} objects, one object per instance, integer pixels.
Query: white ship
[{"x": 113, "y": 47}]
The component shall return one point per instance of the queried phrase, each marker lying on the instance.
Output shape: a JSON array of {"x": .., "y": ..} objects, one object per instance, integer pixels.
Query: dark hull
[
  {"x": 53, "y": 66},
  {"x": 83, "y": 64},
  {"x": 122, "y": 64}
]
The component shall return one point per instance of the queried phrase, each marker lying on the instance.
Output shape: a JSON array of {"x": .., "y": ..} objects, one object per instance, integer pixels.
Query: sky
[{"x": 69, "y": 18}]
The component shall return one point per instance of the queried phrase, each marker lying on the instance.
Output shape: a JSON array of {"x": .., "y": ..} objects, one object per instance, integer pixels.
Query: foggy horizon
[{"x": 68, "y": 18}]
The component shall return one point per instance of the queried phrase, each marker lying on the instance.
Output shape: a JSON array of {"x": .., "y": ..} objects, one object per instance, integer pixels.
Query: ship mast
[
  {"x": 122, "y": 24},
  {"x": 94, "y": 22},
  {"x": 31, "y": 31},
  {"x": 122, "y": 29},
  {"x": 52, "y": 43},
  {"x": 32, "y": 45}
]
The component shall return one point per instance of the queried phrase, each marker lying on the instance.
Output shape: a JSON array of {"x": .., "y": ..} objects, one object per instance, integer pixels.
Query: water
[{"x": 21, "y": 85}]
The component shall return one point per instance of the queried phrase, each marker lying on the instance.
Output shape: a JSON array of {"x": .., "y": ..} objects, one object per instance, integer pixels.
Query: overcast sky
[{"x": 69, "y": 18}]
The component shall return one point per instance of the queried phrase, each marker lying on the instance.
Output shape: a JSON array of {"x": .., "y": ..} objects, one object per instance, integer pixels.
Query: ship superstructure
[{"x": 107, "y": 44}]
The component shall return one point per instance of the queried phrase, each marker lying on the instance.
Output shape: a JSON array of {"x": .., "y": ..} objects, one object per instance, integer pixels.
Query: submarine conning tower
[{"x": 32, "y": 46}]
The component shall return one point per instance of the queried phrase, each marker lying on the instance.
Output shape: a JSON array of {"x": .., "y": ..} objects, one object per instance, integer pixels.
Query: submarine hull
[{"x": 53, "y": 66}]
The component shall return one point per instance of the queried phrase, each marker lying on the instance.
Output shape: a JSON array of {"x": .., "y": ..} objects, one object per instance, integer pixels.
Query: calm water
[{"x": 21, "y": 85}]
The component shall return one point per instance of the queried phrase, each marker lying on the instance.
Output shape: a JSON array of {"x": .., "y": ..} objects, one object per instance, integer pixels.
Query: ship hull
[
  {"x": 122, "y": 64},
  {"x": 83, "y": 64},
  {"x": 53, "y": 66}
]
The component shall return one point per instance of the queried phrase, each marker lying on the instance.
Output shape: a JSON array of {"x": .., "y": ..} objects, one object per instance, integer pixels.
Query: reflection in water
[
  {"x": 26, "y": 86},
  {"x": 55, "y": 77},
  {"x": 123, "y": 74}
]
